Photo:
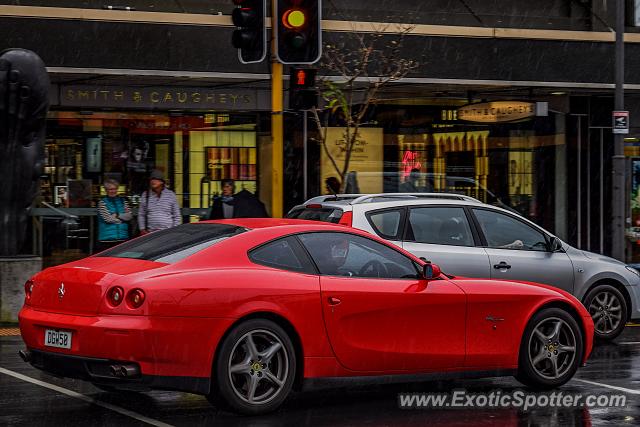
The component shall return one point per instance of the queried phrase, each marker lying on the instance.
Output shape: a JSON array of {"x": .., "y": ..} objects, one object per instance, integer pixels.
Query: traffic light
[
  {"x": 250, "y": 37},
  {"x": 298, "y": 33},
  {"x": 302, "y": 91}
]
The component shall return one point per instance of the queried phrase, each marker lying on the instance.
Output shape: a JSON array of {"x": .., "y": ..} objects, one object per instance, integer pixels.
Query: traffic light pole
[{"x": 277, "y": 130}]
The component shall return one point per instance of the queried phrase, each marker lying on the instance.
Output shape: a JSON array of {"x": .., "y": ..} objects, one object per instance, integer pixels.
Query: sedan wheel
[
  {"x": 608, "y": 308},
  {"x": 551, "y": 349},
  {"x": 255, "y": 367}
]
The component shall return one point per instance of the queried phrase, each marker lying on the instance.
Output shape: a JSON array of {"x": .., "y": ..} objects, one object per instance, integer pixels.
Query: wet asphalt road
[{"x": 76, "y": 403}]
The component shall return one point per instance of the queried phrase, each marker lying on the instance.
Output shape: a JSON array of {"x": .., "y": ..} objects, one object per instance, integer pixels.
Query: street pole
[
  {"x": 618, "y": 160},
  {"x": 304, "y": 154},
  {"x": 277, "y": 130}
]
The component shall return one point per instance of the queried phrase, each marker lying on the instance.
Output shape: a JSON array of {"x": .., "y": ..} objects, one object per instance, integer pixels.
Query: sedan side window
[
  {"x": 343, "y": 254},
  {"x": 505, "y": 232},
  {"x": 441, "y": 226}
]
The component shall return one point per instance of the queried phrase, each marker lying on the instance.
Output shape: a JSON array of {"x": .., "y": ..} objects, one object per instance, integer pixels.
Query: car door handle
[
  {"x": 501, "y": 266},
  {"x": 333, "y": 301}
]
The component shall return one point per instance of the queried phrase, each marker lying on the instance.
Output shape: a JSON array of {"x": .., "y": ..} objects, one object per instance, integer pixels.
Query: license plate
[{"x": 57, "y": 339}]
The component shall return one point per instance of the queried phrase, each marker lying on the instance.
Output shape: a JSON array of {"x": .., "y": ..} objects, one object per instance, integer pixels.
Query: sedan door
[
  {"x": 442, "y": 235},
  {"x": 518, "y": 251},
  {"x": 379, "y": 313}
]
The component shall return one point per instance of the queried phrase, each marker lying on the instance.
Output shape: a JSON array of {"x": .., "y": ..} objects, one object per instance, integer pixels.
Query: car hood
[{"x": 603, "y": 258}]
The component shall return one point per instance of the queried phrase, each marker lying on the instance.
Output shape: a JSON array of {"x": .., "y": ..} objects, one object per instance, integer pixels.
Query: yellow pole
[{"x": 277, "y": 130}]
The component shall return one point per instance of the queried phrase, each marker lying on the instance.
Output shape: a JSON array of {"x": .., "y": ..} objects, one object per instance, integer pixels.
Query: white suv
[{"x": 466, "y": 237}]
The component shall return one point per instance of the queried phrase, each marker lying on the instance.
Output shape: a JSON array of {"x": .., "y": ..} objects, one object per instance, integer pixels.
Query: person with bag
[
  {"x": 114, "y": 215},
  {"x": 158, "y": 206}
]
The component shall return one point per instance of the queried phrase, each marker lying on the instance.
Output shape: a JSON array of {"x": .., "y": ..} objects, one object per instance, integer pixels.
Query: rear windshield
[
  {"x": 175, "y": 243},
  {"x": 332, "y": 215}
]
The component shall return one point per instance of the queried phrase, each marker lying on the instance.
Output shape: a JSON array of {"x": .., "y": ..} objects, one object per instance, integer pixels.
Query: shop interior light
[{"x": 293, "y": 19}]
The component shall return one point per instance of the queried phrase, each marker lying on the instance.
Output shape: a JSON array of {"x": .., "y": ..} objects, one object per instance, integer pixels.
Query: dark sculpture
[{"x": 24, "y": 102}]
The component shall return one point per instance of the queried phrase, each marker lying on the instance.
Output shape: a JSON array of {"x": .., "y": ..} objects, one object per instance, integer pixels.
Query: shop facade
[
  {"x": 161, "y": 88},
  {"x": 195, "y": 136}
]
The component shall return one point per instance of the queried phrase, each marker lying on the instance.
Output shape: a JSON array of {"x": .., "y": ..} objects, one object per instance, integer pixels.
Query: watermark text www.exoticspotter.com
[{"x": 515, "y": 399}]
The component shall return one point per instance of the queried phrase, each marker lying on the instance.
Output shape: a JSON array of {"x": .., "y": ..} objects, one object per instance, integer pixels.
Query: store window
[
  {"x": 194, "y": 151},
  {"x": 519, "y": 165}
]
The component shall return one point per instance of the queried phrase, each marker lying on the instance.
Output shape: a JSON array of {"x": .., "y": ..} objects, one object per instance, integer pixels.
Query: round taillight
[
  {"x": 28, "y": 289},
  {"x": 135, "y": 298},
  {"x": 115, "y": 296}
]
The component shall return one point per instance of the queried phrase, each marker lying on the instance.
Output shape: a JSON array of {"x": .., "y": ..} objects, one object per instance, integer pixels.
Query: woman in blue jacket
[{"x": 113, "y": 216}]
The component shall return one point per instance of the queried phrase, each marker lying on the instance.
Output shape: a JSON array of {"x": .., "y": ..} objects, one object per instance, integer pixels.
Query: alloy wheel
[
  {"x": 258, "y": 367},
  {"x": 552, "y": 348},
  {"x": 606, "y": 311}
]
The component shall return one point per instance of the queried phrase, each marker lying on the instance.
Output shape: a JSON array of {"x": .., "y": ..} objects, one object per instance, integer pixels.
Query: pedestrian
[
  {"x": 243, "y": 204},
  {"x": 411, "y": 184},
  {"x": 332, "y": 185},
  {"x": 158, "y": 206},
  {"x": 114, "y": 215}
]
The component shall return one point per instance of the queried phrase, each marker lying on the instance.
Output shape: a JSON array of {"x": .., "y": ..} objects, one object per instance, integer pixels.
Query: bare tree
[{"x": 355, "y": 70}]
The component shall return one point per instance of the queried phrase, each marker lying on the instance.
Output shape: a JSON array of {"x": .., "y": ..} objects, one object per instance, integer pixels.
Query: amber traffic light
[
  {"x": 298, "y": 32},
  {"x": 250, "y": 35}
]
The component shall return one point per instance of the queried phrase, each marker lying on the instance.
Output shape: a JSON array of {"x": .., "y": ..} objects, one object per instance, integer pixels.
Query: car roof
[
  {"x": 269, "y": 228},
  {"x": 382, "y": 200}
]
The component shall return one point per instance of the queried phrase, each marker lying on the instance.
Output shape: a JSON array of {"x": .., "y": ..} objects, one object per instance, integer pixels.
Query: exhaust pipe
[
  {"x": 124, "y": 371},
  {"x": 25, "y": 355}
]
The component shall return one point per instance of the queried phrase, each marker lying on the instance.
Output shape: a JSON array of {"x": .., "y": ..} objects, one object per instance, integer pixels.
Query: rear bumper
[
  {"x": 171, "y": 352},
  {"x": 98, "y": 371}
]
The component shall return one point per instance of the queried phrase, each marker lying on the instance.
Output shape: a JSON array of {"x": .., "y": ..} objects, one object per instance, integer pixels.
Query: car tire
[
  {"x": 600, "y": 303},
  {"x": 551, "y": 349},
  {"x": 255, "y": 368}
]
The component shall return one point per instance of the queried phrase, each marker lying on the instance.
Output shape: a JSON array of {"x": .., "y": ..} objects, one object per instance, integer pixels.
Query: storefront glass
[
  {"x": 84, "y": 148},
  {"x": 516, "y": 164}
]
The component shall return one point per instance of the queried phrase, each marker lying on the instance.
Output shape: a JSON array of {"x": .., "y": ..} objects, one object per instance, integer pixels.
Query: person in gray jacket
[{"x": 159, "y": 208}]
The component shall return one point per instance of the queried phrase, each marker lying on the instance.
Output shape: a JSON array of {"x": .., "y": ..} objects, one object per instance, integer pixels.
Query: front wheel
[
  {"x": 608, "y": 309},
  {"x": 551, "y": 349},
  {"x": 255, "y": 368}
]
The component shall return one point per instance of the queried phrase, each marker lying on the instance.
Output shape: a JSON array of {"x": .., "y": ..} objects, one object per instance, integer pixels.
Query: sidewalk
[{"x": 9, "y": 332}]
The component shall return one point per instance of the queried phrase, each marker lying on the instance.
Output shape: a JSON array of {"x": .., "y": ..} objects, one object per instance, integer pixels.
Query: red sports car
[{"x": 245, "y": 310}]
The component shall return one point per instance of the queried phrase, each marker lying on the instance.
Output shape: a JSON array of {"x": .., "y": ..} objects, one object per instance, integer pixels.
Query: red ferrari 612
[{"x": 243, "y": 311}]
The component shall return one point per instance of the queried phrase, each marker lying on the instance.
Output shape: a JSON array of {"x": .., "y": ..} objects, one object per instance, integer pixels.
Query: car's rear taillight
[
  {"x": 346, "y": 219},
  {"x": 28, "y": 289},
  {"x": 135, "y": 298},
  {"x": 313, "y": 206},
  {"x": 115, "y": 296}
]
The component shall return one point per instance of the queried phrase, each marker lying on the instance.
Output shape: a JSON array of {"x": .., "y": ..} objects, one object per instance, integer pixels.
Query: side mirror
[
  {"x": 555, "y": 245},
  {"x": 430, "y": 271}
]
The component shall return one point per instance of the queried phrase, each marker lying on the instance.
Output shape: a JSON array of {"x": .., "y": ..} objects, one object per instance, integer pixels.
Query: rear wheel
[
  {"x": 255, "y": 368},
  {"x": 608, "y": 309},
  {"x": 551, "y": 349}
]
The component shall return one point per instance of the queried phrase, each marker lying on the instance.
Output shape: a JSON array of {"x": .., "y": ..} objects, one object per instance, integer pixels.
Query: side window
[
  {"x": 343, "y": 254},
  {"x": 282, "y": 254},
  {"x": 505, "y": 232},
  {"x": 441, "y": 226},
  {"x": 386, "y": 223}
]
